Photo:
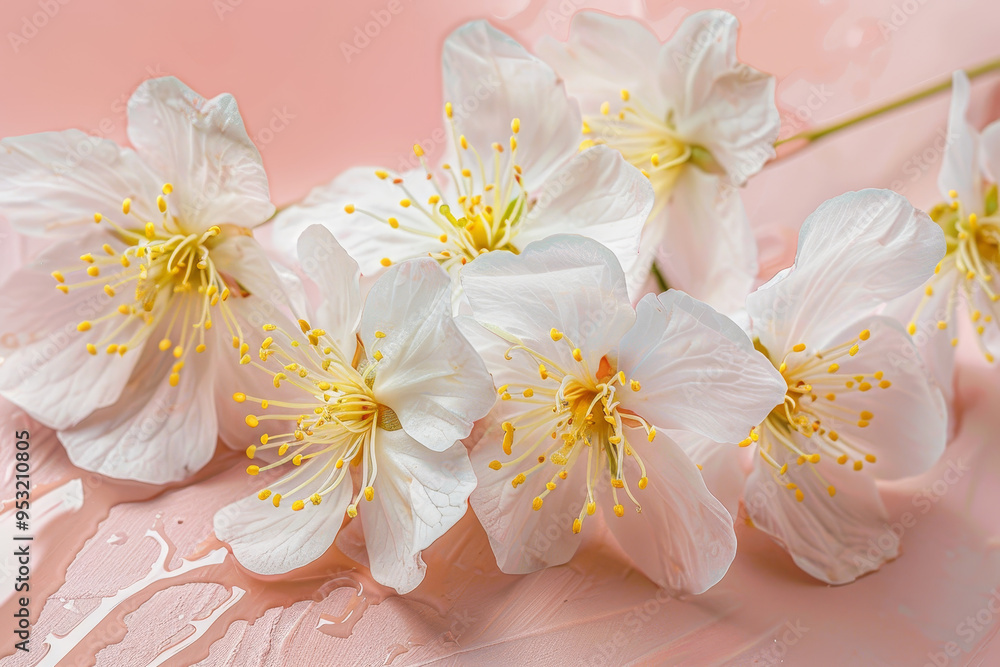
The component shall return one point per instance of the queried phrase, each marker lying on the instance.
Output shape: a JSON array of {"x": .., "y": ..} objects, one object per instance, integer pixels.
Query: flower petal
[
  {"x": 724, "y": 467},
  {"x": 368, "y": 240},
  {"x": 202, "y": 148},
  {"x": 51, "y": 376},
  {"x": 419, "y": 495},
  {"x": 990, "y": 154},
  {"x": 856, "y": 251},
  {"x": 570, "y": 283},
  {"x": 339, "y": 280},
  {"x": 490, "y": 80},
  {"x": 697, "y": 371},
  {"x": 603, "y": 55},
  {"x": 960, "y": 169},
  {"x": 835, "y": 539},
  {"x": 524, "y": 540},
  {"x": 908, "y": 429},
  {"x": 154, "y": 432},
  {"x": 54, "y": 182},
  {"x": 274, "y": 540},
  {"x": 704, "y": 242},
  {"x": 597, "y": 194},
  {"x": 428, "y": 374},
  {"x": 683, "y": 539},
  {"x": 719, "y": 103}
]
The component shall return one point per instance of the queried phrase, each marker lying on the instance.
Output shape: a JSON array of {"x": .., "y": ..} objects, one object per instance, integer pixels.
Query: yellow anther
[
  {"x": 515, "y": 125},
  {"x": 83, "y": 326},
  {"x": 591, "y": 508},
  {"x": 417, "y": 150},
  {"x": 448, "y": 110},
  {"x": 386, "y": 261},
  {"x": 634, "y": 385},
  {"x": 264, "y": 494},
  {"x": 544, "y": 374},
  {"x": 174, "y": 379},
  {"x": 619, "y": 511},
  {"x": 495, "y": 465},
  {"x": 253, "y": 470},
  {"x": 864, "y": 386},
  {"x": 577, "y": 354},
  {"x": 349, "y": 208},
  {"x": 643, "y": 481},
  {"x": 555, "y": 334},
  {"x": 528, "y": 393},
  {"x": 651, "y": 434},
  {"x": 799, "y": 496},
  {"x": 93, "y": 271},
  {"x": 126, "y": 205},
  {"x": 605, "y": 108},
  {"x": 58, "y": 276},
  {"x": 625, "y": 95},
  {"x": 865, "y": 414},
  {"x": 297, "y": 460},
  {"x": 297, "y": 505},
  {"x": 315, "y": 499},
  {"x": 854, "y": 349},
  {"x": 251, "y": 450},
  {"x": 536, "y": 504},
  {"x": 800, "y": 347},
  {"x": 577, "y": 525},
  {"x": 352, "y": 510},
  {"x": 912, "y": 328},
  {"x": 252, "y": 421},
  {"x": 942, "y": 325},
  {"x": 377, "y": 356}
]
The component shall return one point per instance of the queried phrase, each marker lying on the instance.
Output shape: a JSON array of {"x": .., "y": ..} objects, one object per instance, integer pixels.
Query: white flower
[
  {"x": 969, "y": 274},
  {"x": 858, "y": 405},
  {"x": 512, "y": 173},
  {"x": 132, "y": 336},
  {"x": 692, "y": 117},
  {"x": 387, "y": 391},
  {"x": 591, "y": 390}
]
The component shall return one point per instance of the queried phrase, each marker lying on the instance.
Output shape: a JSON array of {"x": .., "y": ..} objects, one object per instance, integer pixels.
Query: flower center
[
  {"x": 488, "y": 205},
  {"x": 646, "y": 140},
  {"x": 811, "y": 408},
  {"x": 587, "y": 424},
  {"x": 329, "y": 421},
  {"x": 974, "y": 254},
  {"x": 155, "y": 273}
]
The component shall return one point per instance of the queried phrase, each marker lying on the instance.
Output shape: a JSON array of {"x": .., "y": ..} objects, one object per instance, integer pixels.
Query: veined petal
[
  {"x": 724, "y": 467},
  {"x": 273, "y": 540},
  {"x": 907, "y": 429},
  {"x": 683, "y": 539},
  {"x": 419, "y": 495},
  {"x": 719, "y": 103},
  {"x": 366, "y": 234},
  {"x": 597, "y": 194},
  {"x": 523, "y": 540},
  {"x": 52, "y": 183},
  {"x": 52, "y": 376},
  {"x": 202, "y": 148},
  {"x": 490, "y": 80},
  {"x": 704, "y": 242},
  {"x": 569, "y": 283},
  {"x": 835, "y": 539},
  {"x": 960, "y": 170},
  {"x": 427, "y": 372},
  {"x": 696, "y": 370},
  {"x": 339, "y": 280},
  {"x": 990, "y": 154},
  {"x": 855, "y": 252},
  {"x": 154, "y": 432},
  {"x": 605, "y": 54}
]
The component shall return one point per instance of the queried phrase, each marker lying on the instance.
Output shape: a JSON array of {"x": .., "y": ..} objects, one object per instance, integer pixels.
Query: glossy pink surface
[{"x": 133, "y": 575}]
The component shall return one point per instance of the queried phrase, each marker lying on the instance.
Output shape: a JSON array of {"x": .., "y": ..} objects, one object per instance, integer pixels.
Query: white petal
[
  {"x": 53, "y": 377},
  {"x": 704, "y": 242},
  {"x": 990, "y": 155},
  {"x": 570, "y": 283},
  {"x": 833, "y": 539},
  {"x": 153, "y": 433},
  {"x": 419, "y": 495},
  {"x": 683, "y": 539},
  {"x": 718, "y": 102},
  {"x": 275, "y": 540},
  {"x": 54, "y": 182},
  {"x": 908, "y": 431},
  {"x": 368, "y": 240},
  {"x": 245, "y": 260},
  {"x": 490, "y": 80},
  {"x": 605, "y": 54},
  {"x": 856, "y": 251},
  {"x": 724, "y": 467},
  {"x": 524, "y": 540},
  {"x": 696, "y": 369},
  {"x": 598, "y": 195},
  {"x": 202, "y": 148},
  {"x": 960, "y": 168},
  {"x": 429, "y": 374},
  {"x": 339, "y": 280}
]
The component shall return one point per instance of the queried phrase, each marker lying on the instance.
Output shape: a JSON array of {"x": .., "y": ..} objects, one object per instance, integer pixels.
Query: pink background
[{"x": 313, "y": 113}]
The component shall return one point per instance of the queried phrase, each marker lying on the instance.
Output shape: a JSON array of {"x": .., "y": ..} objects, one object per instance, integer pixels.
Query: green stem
[
  {"x": 659, "y": 278},
  {"x": 810, "y": 136}
]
